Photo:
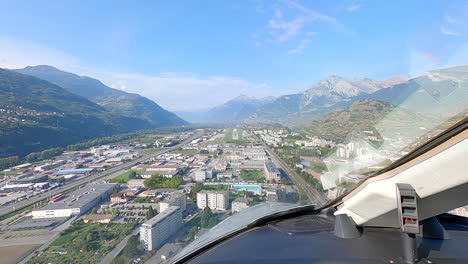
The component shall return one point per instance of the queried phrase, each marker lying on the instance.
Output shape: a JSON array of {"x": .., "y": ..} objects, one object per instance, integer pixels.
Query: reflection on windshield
[{"x": 235, "y": 223}]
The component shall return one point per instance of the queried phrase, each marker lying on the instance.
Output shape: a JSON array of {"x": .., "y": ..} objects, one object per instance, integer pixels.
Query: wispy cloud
[
  {"x": 449, "y": 32},
  {"x": 300, "y": 48},
  {"x": 284, "y": 29},
  {"x": 450, "y": 19},
  {"x": 303, "y": 44},
  {"x": 310, "y": 13},
  {"x": 353, "y": 7}
]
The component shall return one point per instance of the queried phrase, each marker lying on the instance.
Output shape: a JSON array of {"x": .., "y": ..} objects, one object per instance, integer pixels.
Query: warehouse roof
[
  {"x": 76, "y": 171},
  {"x": 80, "y": 197}
]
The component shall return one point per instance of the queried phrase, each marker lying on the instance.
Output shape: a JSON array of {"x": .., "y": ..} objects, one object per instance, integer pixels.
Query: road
[
  {"x": 235, "y": 134},
  {"x": 16, "y": 206},
  {"x": 111, "y": 255},
  {"x": 314, "y": 196},
  {"x": 47, "y": 244}
]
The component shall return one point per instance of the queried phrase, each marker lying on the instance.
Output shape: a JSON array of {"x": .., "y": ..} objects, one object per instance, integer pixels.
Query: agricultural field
[
  {"x": 124, "y": 177},
  {"x": 252, "y": 175},
  {"x": 84, "y": 243}
]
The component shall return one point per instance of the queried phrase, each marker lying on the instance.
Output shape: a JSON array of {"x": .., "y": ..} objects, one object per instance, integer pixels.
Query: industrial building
[
  {"x": 83, "y": 171},
  {"x": 77, "y": 202},
  {"x": 215, "y": 200},
  {"x": 23, "y": 187},
  {"x": 271, "y": 172},
  {"x": 156, "y": 231}
]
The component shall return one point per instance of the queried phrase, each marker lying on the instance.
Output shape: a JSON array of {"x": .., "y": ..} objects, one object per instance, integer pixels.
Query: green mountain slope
[
  {"x": 379, "y": 118},
  {"x": 114, "y": 100},
  {"x": 36, "y": 115}
]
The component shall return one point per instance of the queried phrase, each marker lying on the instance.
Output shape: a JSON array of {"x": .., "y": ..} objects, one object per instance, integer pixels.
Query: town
[
  {"x": 162, "y": 192},
  {"x": 153, "y": 194}
]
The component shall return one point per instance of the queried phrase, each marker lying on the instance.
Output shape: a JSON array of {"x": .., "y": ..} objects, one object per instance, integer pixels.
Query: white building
[
  {"x": 156, "y": 231},
  {"x": 215, "y": 200},
  {"x": 271, "y": 172},
  {"x": 239, "y": 204},
  {"x": 255, "y": 154},
  {"x": 203, "y": 174},
  {"x": 77, "y": 202},
  {"x": 178, "y": 199}
]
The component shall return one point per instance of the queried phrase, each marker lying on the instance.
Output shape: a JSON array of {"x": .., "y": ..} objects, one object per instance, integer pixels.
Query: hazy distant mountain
[
  {"x": 114, "y": 100},
  {"x": 235, "y": 110},
  {"x": 193, "y": 116},
  {"x": 441, "y": 92},
  {"x": 36, "y": 115},
  {"x": 319, "y": 99}
]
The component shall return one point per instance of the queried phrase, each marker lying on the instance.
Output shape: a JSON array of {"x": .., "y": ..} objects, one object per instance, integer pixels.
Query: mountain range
[
  {"x": 335, "y": 92},
  {"x": 36, "y": 115},
  {"x": 442, "y": 92},
  {"x": 233, "y": 111},
  {"x": 116, "y": 101},
  {"x": 43, "y": 107}
]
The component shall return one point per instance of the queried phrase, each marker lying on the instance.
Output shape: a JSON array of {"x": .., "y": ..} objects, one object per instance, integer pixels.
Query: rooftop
[
  {"x": 241, "y": 200},
  {"x": 213, "y": 191},
  {"x": 271, "y": 167},
  {"x": 76, "y": 171},
  {"x": 98, "y": 217},
  {"x": 80, "y": 197},
  {"x": 161, "y": 216}
]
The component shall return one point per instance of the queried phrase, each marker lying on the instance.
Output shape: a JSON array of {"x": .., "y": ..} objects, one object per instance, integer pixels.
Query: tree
[
  {"x": 195, "y": 189},
  {"x": 284, "y": 181},
  {"x": 119, "y": 260},
  {"x": 8, "y": 162},
  {"x": 213, "y": 221},
  {"x": 33, "y": 156},
  {"x": 132, "y": 250},
  {"x": 150, "y": 213},
  {"x": 158, "y": 181},
  {"x": 132, "y": 174},
  {"x": 192, "y": 233},
  {"x": 205, "y": 217},
  {"x": 90, "y": 237}
]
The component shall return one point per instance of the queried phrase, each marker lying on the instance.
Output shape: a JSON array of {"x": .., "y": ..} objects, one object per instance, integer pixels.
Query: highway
[
  {"x": 16, "y": 206},
  {"x": 314, "y": 196}
]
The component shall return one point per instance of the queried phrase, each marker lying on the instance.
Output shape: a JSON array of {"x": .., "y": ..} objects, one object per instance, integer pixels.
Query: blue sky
[{"x": 196, "y": 54}]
